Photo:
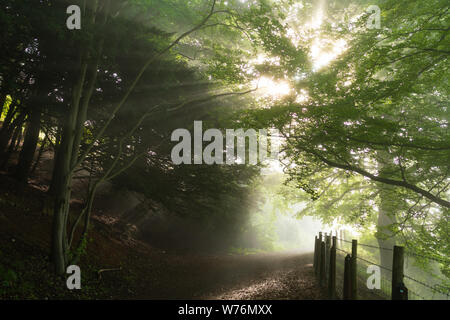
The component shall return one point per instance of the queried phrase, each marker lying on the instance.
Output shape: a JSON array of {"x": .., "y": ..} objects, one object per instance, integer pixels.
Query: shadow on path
[{"x": 235, "y": 277}]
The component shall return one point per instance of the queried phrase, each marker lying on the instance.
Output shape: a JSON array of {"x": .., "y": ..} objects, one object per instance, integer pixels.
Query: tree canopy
[{"x": 362, "y": 112}]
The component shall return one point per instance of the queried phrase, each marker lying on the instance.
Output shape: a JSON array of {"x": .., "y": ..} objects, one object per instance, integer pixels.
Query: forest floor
[{"x": 142, "y": 271}]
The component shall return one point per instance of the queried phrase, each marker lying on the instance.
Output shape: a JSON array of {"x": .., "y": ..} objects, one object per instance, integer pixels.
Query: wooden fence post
[
  {"x": 327, "y": 254},
  {"x": 399, "y": 291},
  {"x": 347, "y": 279},
  {"x": 332, "y": 271},
  {"x": 316, "y": 240},
  {"x": 319, "y": 256},
  {"x": 322, "y": 264},
  {"x": 354, "y": 270}
]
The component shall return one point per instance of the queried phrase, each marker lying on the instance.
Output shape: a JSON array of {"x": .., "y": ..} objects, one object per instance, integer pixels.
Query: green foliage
[
  {"x": 8, "y": 277},
  {"x": 81, "y": 250},
  {"x": 381, "y": 104}
]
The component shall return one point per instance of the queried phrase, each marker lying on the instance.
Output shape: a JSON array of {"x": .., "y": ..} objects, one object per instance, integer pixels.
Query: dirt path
[
  {"x": 145, "y": 271},
  {"x": 261, "y": 276}
]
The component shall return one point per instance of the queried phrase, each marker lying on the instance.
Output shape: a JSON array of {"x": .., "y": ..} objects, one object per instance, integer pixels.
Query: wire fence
[
  {"x": 362, "y": 266},
  {"x": 429, "y": 287},
  {"x": 418, "y": 284}
]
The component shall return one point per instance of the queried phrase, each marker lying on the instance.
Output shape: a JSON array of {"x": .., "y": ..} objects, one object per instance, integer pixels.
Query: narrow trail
[
  {"x": 251, "y": 277},
  {"x": 145, "y": 272}
]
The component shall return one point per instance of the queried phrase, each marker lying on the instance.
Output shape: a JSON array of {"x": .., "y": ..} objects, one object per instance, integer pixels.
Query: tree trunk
[
  {"x": 13, "y": 141},
  {"x": 385, "y": 237},
  {"x": 16, "y": 144},
  {"x": 388, "y": 208},
  {"x": 55, "y": 171},
  {"x": 7, "y": 154},
  {"x": 39, "y": 156},
  {"x": 7, "y": 129},
  {"x": 63, "y": 178},
  {"x": 67, "y": 155},
  {"x": 58, "y": 245},
  {"x": 29, "y": 146},
  {"x": 61, "y": 193}
]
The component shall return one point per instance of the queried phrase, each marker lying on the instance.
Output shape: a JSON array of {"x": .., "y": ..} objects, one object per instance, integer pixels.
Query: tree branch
[
  {"x": 181, "y": 105},
  {"x": 138, "y": 78},
  {"x": 373, "y": 177}
]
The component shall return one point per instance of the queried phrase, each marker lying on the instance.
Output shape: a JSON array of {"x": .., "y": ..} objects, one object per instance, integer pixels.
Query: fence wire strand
[
  {"x": 366, "y": 245},
  {"x": 407, "y": 252},
  {"x": 343, "y": 251},
  {"x": 373, "y": 263},
  {"x": 426, "y": 285}
]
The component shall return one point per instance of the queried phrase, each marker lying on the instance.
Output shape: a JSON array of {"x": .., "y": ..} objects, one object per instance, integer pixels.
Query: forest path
[
  {"x": 244, "y": 277},
  {"x": 146, "y": 272}
]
